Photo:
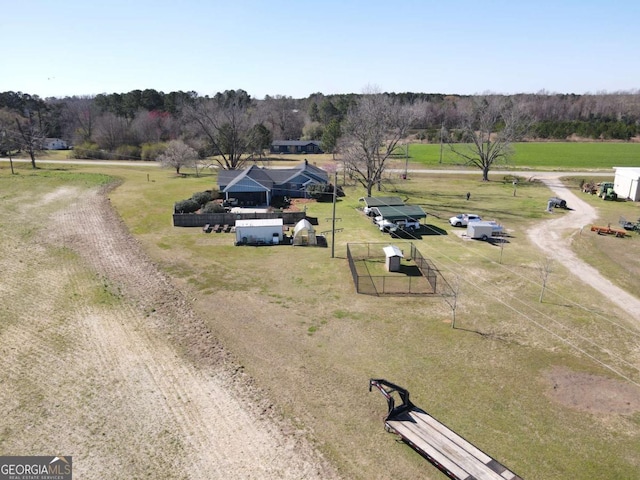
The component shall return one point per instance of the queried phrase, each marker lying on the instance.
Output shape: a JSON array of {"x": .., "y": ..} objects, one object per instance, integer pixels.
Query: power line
[{"x": 541, "y": 326}]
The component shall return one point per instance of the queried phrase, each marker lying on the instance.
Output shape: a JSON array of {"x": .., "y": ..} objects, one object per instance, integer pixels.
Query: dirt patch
[
  {"x": 299, "y": 204},
  {"x": 592, "y": 393},
  {"x": 556, "y": 235}
]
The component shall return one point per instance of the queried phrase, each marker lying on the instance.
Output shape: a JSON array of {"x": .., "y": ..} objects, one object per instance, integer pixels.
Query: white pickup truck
[
  {"x": 388, "y": 226},
  {"x": 385, "y": 225}
]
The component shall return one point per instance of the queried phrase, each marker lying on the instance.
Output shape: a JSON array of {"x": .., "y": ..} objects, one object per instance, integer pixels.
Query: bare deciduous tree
[
  {"x": 79, "y": 115},
  {"x": 226, "y": 122},
  {"x": 283, "y": 117},
  {"x": 452, "y": 299},
  {"x": 31, "y": 135},
  {"x": 372, "y": 130},
  {"x": 489, "y": 126},
  {"x": 153, "y": 127},
  {"x": 177, "y": 155},
  {"x": 545, "y": 268},
  {"x": 111, "y": 131}
]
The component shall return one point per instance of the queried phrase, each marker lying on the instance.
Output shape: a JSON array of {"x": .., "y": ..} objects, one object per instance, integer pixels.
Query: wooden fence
[{"x": 202, "y": 219}]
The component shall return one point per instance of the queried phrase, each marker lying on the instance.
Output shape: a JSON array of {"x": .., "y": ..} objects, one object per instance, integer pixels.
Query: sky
[{"x": 296, "y": 48}]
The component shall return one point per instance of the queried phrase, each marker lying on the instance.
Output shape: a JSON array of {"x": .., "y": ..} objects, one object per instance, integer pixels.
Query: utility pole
[
  {"x": 333, "y": 227},
  {"x": 441, "y": 128},
  {"x": 406, "y": 162}
]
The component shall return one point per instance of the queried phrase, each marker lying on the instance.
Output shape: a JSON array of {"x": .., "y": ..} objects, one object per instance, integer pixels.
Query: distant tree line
[{"x": 232, "y": 127}]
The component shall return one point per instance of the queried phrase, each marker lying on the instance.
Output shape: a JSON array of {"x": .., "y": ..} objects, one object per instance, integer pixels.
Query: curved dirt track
[
  {"x": 134, "y": 385},
  {"x": 554, "y": 237}
]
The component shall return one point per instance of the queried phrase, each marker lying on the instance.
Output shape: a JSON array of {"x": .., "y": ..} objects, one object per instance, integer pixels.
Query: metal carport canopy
[{"x": 401, "y": 212}]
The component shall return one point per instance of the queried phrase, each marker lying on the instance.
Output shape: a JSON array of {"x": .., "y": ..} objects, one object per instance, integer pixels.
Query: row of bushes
[
  {"x": 147, "y": 152},
  {"x": 596, "y": 129},
  {"x": 203, "y": 201},
  {"x": 323, "y": 192}
]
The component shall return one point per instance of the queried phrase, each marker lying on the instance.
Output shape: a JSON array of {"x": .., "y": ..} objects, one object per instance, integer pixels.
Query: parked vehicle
[
  {"x": 606, "y": 192},
  {"x": 385, "y": 225},
  {"x": 408, "y": 224},
  {"x": 463, "y": 219},
  {"x": 629, "y": 225},
  {"x": 371, "y": 211},
  {"x": 557, "y": 202},
  {"x": 483, "y": 230}
]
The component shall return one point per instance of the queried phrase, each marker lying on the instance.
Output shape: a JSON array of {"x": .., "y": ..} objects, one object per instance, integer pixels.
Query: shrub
[
  {"x": 151, "y": 151},
  {"x": 87, "y": 150},
  {"x": 202, "y": 197},
  {"x": 213, "y": 207},
  {"x": 323, "y": 192},
  {"x": 186, "y": 206},
  {"x": 127, "y": 152}
]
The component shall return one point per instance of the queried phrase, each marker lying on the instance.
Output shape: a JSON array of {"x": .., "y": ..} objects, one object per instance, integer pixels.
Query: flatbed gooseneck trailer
[{"x": 449, "y": 452}]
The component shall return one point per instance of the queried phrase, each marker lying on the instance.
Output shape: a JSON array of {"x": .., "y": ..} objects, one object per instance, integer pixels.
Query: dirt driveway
[
  {"x": 555, "y": 236},
  {"x": 102, "y": 359}
]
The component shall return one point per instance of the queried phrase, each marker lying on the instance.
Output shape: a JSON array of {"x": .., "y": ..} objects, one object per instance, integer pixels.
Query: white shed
[
  {"x": 259, "y": 231},
  {"x": 394, "y": 257},
  {"x": 626, "y": 182}
]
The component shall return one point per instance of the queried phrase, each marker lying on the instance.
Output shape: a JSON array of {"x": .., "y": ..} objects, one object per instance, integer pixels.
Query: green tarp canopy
[
  {"x": 381, "y": 201},
  {"x": 402, "y": 212}
]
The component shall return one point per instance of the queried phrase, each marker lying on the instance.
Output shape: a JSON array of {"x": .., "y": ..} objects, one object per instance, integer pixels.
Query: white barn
[{"x": 626, "y": 182}]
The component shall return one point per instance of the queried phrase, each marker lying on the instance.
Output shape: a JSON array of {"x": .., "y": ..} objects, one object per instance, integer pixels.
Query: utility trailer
[
  {"x": 602, "y": 230},
  {"x": 483, "y": 230},
  {"x": 457, "y": 458}
]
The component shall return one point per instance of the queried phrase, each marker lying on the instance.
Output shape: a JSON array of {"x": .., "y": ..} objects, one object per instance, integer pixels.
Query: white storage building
[
  {"x": 626, "y": 182},
  {"x": 259, "y": 231}
]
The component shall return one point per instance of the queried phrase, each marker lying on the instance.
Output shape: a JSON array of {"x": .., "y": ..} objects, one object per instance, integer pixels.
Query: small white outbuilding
[
  {"x": 627, "y": 182},
  {"x": 304, "y": 233},
  {"x": 259, "y": 231},
  {"x": 393, "y": 258}
]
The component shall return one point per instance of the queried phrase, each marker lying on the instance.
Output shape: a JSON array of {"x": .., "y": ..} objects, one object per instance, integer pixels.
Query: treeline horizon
[{"x": 127, "y": 123}]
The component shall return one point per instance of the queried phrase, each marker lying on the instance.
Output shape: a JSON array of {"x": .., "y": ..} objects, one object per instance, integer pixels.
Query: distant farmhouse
[
  {"x": 258, "y": 186},
  {"x": 296, "y": 146},
  {"x": 54, "y": 144}
]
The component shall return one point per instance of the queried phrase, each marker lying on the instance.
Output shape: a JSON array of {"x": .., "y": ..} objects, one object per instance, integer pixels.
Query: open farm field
[
  {"x": 550, "y": 388},
  {"x": 542, "y": 155}
]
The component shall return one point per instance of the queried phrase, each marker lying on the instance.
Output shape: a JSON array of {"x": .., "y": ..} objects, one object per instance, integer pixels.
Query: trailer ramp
[{"x": 449, "y": 452}]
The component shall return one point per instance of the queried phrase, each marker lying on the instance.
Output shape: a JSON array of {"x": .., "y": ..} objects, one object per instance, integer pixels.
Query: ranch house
[
  {"x": 296, "y": 146},
  {"x": 54, "y": 144},
  {"x": 258, "y": 186}
]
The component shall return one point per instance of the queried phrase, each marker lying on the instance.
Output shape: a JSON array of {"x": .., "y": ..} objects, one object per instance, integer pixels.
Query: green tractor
[{"x": 606, "y": 191}]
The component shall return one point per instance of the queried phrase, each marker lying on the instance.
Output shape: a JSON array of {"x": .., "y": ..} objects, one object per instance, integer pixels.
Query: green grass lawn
[
  {"x": 312, "y": 326},
  {"x": 309, "y": 341},
  {"x": 547, "y": 155}
]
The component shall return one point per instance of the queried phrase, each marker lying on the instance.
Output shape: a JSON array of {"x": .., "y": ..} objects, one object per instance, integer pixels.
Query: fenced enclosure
[{"x": 417, "y": 275}]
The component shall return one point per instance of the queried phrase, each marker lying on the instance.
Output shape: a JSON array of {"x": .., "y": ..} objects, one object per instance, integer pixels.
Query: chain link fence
[{"x": 417, "y": 275}]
